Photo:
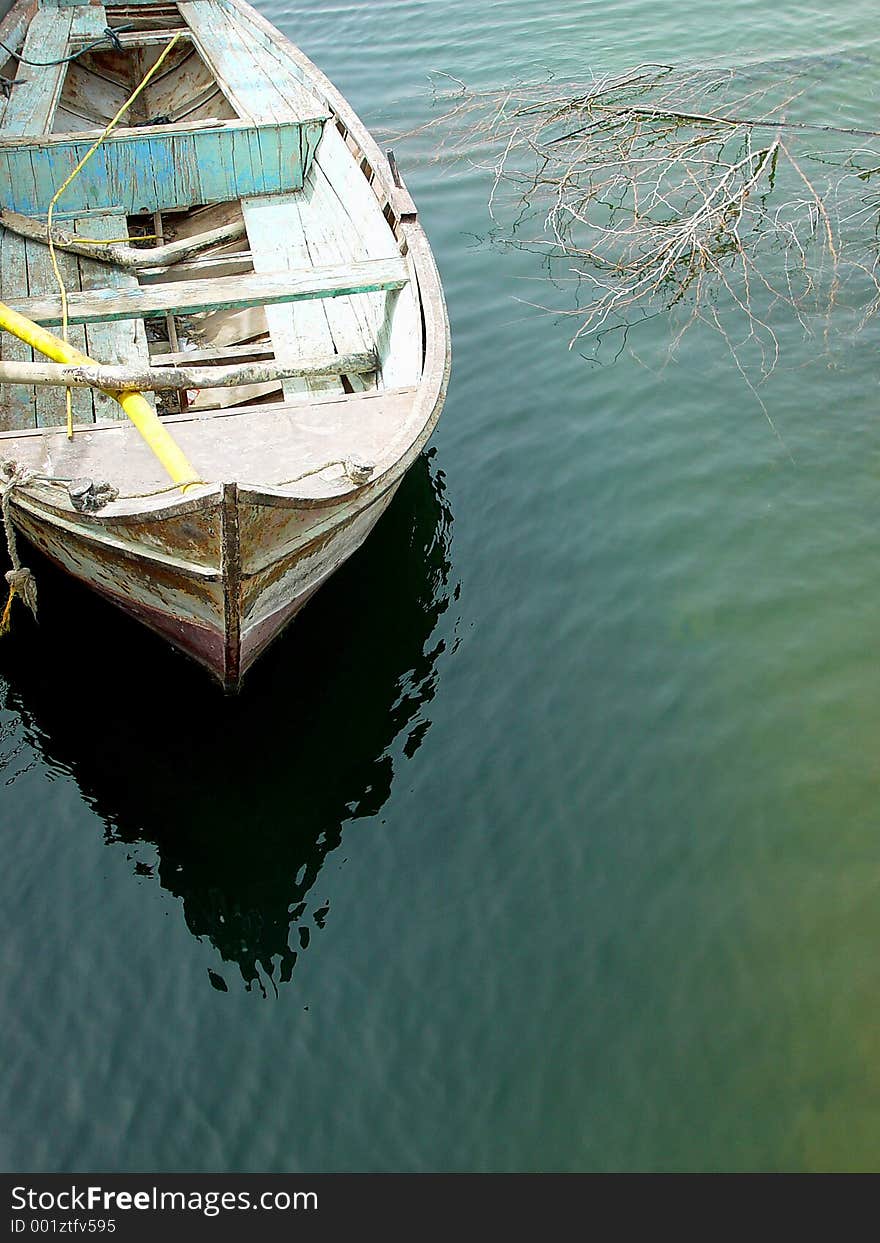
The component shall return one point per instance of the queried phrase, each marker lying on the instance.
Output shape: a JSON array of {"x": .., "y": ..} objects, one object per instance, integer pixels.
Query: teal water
[{"x": 547, "y": 838}]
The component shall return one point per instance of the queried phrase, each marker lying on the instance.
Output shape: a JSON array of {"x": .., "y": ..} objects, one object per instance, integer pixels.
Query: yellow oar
[{"x": 135, "y": 405}]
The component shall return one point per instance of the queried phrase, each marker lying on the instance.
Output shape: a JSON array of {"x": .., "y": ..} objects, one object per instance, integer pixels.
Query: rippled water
[{"x": 547, "y": 837}]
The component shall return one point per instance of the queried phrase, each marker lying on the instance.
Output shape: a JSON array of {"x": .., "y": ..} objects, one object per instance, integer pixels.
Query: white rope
[{"x": 20, "y": 579}]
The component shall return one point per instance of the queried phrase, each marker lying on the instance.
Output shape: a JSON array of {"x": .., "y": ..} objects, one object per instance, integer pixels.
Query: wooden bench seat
[{"x": 191, "y": 297}]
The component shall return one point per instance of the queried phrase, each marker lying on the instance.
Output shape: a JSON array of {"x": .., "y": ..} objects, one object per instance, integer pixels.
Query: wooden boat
[{"x": 286, "y": 316}]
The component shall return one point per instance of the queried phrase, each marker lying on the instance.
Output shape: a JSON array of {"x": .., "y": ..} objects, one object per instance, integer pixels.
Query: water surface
[{"x": 546, "y": 839}]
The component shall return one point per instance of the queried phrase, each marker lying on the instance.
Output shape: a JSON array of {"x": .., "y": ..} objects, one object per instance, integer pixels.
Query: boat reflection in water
[{"x": 234, "y": 804}]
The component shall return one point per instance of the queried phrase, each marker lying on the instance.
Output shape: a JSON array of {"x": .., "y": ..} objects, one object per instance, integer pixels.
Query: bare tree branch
[{"x": 651, "y": 188}]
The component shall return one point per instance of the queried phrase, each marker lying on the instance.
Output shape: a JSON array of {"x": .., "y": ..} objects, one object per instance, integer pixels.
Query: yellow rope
[
  {"x": 109, "y": 241},
  {"x": 20, "y": 580},
  {"x": 23, "y": 584},
  {"x": 57, "y": 195},
  {"x": 5, "y": 624}
]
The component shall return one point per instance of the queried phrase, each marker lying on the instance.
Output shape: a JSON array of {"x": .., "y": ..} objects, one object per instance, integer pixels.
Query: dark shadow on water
[{"x": 241, "y": 800}]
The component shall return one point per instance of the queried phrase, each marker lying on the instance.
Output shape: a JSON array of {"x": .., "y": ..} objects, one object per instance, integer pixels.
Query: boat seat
[{"x": 193, "y": 296}]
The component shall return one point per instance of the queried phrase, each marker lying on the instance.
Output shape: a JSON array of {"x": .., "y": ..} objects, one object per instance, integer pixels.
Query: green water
[{"x": 546, "y": 839}]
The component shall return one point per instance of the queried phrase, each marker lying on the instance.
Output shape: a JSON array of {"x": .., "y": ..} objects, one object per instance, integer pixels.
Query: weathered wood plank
[
  {"x": 32, "y": 101},
  {"x": 262, "y": 445},
  {"x": 221, "y": 329},
  {"x": 89, "y": 22},
  {"x": 396, "y": 317},
  {"x": 11, "y": 142},
  {"x": 277, "y": 238},
  {"x": 204, "y": 219},
  {"x": 241, "y": 80},
  {"x": 95, "y": 98},
  {"x": 14, "y": 24},
  {"x": 274, "y": 49},
  {"x": 136, "y": 38},
  {"x": 153, "y": 171},
  {"x": 352, "y": 326},
  {"x": 228, "y": 398},
  {"x": 122, "y": 343},
  {"x": 13, "y": 30},
  {"x": 68, "y": 120},
  {"x": 186, "y": 89},
  {"x": 160, "y": 357},
  {"x": 190, "y": 297},
  {"x": 51, "y": 408},
  {"x": 356, "y": 197},
  {"x": 229, "y": 260},
  {"x": 255, "y": 91},
  {"x": 81, "y": 402},
  {"x": 17, "y": 405}
]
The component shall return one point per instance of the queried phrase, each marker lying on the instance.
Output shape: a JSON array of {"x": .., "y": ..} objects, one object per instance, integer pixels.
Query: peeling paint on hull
[
  {"x": 226, "y": 622},
  {"x": 348, "y": 539}
]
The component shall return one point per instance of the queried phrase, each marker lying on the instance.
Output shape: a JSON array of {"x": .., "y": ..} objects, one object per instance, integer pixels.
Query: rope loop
[{"x": 19, "y": 579}]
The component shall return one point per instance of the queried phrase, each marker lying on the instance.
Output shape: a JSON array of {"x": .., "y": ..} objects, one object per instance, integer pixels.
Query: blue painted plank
[
  {"x": 156, "y": 171},
  {"x": 13, "y": 32},
  {"x": 65, "y": 4}
]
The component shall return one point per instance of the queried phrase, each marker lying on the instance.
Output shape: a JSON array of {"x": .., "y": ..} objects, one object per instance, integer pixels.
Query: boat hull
[{"x": 235, "y": 595}]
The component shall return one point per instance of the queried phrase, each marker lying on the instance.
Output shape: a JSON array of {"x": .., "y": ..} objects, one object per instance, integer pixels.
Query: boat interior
[{"x": 230, "y": 131}]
